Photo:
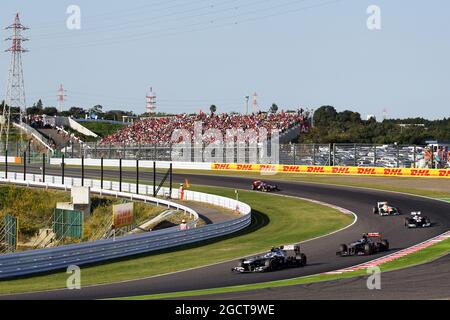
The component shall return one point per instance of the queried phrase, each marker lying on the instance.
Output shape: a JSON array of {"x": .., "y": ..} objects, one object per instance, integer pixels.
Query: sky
[{"x": 195, "y": 53}]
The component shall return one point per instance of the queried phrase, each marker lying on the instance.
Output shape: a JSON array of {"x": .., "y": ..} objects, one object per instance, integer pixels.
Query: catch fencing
[{"x": 360, "y": 155}]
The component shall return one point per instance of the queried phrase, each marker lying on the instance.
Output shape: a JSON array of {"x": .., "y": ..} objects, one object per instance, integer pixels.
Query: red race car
[{"x": 259, "y": 185}]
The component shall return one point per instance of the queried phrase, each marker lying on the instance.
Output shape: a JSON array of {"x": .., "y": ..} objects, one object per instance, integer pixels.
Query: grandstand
[{"x": 159, "y": 131}]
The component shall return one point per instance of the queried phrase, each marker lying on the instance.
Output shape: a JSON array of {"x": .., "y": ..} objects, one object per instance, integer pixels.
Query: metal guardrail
[{"x": 51, "y": 259}]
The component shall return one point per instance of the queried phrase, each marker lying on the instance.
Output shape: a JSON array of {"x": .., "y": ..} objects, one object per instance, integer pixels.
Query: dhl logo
[
  {"x": 245, "y": 167},
  {"x": 268, "y": 168},
  {"x": 367, "y": 171},
  {"x": 221, "y": 166},
  {"x": 316, "y": 170},
  {"x": 420, "y": 173},
  {"x": 291, "y": 169},
  {"x": 444, "y": 173},
  {"x": 341, "y": 170},
  {"x": 393, "y": 172}
]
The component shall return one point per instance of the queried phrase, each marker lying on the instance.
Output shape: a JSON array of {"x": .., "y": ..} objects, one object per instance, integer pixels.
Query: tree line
[
  {"x": 38, "y": 108},
  {"x": 347, "y": 126}
]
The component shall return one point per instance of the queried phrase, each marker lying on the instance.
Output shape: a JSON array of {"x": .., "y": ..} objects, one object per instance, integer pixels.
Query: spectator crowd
[
  {"x": 160, "y": 130},
  {"x": 39, "y": 122}
]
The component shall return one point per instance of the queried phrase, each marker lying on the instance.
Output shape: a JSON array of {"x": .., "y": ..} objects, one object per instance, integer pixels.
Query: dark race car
[
  {"x": 384, "y": 209},
  {"x": 416, "y": 220},
  {"x": 370, "y": 243},
  {"x": 259, "y": 185},
  {"x": 278, "y": 258}
]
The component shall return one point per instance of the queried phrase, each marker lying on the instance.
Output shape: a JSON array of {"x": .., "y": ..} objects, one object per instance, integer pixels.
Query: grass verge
[
  {"x": 298, "y": 221},
  {"x": 426, "y": 255}
]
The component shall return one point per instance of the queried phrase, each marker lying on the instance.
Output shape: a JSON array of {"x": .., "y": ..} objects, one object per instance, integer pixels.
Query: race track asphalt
[
  {"x": 423, "y": 282},
  {"x": 321, "y": 252}
]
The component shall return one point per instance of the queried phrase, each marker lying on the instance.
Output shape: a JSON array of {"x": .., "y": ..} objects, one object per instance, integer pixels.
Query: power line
[
  {"x": 210, "y": 25},
  {"x": 124, "y": 12},
  {"x": 137, "y": 23},
  {"x": 117, "y": 26}
]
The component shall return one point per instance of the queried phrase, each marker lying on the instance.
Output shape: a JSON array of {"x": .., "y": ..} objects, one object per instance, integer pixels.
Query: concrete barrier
[{"x": 132, "y": 163}]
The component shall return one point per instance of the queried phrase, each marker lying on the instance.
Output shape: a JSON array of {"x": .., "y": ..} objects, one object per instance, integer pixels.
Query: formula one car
[
  {"x": 416, "y": 220},
  {"x": 370, "y": 243},
  {"x": 259, "y": 185},
  {"x": 384, "y": 209},
  {"x": 278, "y": 258}
]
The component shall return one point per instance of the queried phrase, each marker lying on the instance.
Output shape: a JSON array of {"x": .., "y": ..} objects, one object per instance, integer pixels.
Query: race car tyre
[
  {"x": 273, "y": 264},
  {"x": 343, "y": 248},
  {"x": 385, "y": 245},
  {"x": 303, "y": 259},
  {"x": 407, "y": 222},
  {"x": 375, "y": 210},
  {"x": 269, "y": 264},
  {"x": 367, "y": 249}
]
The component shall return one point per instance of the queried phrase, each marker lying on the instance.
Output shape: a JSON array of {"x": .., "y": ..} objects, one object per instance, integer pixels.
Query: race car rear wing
[
  {"x": 291, "y": 247},
  {"x": 374, "y": 234}
]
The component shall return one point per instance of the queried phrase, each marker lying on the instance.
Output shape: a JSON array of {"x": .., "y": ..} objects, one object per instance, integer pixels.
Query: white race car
[
  {"x": 416, "y": 220},
  {"x": 384, "y": 209}
]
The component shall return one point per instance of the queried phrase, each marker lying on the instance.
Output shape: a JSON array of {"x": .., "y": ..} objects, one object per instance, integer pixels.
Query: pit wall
[{"x": 268, "y": 168}]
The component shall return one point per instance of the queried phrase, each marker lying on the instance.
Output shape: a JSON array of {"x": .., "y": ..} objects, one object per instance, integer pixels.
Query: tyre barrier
[{"x": 58, "y": 258}]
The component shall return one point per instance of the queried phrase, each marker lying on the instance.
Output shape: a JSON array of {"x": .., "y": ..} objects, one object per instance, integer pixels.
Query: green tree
[
  {"x": 274, "y": 108},
  {"x": 325, "y": 116},
  {"x": 36, "y": 109},
  {"x": 348, "y": 127},
  {"x": 39, "y": 104},
  {"x": 75, "y": 112},
  {"x": 213, "y": 109},
  {"x": 50, "y": 111},
  {"x": 97, "y": 109}
]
